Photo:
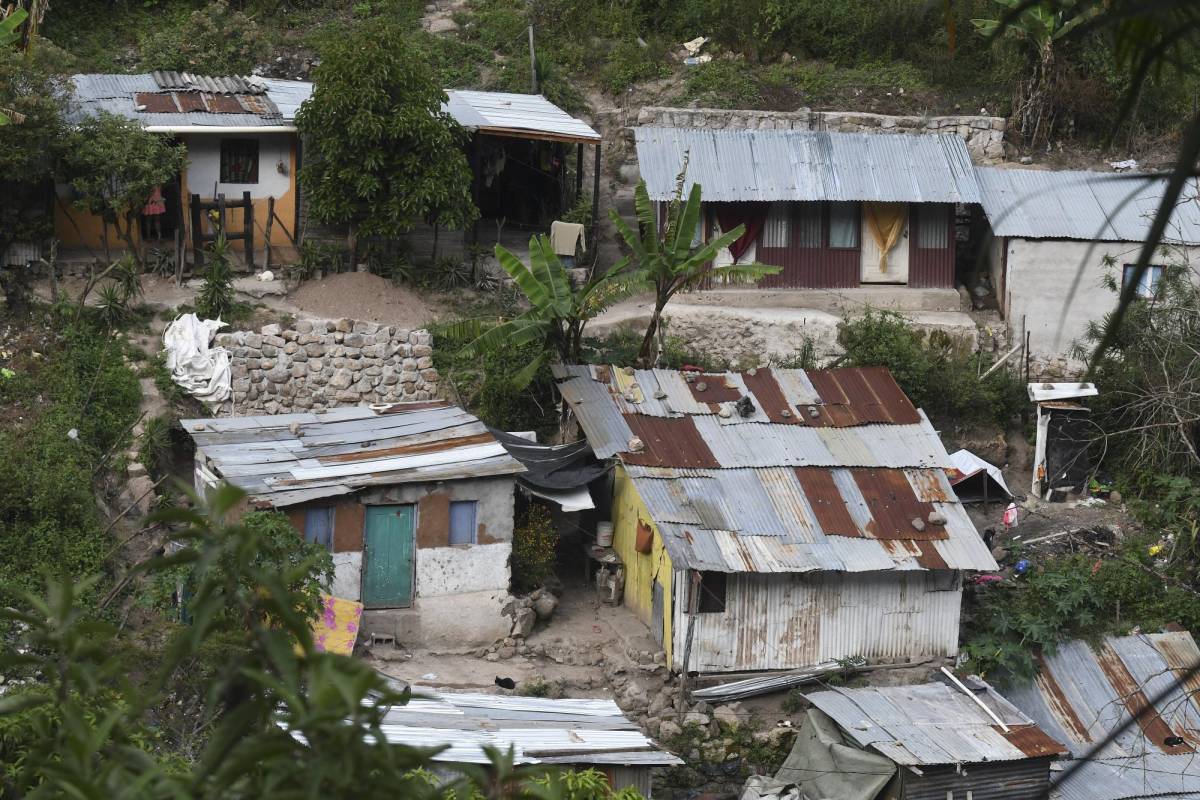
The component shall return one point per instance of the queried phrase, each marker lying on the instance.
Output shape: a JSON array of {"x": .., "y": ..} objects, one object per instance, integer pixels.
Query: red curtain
[{"x": 752, "y": 215}]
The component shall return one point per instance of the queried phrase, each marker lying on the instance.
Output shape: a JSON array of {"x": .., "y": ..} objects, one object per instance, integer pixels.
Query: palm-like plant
[
  {"x": 558, "y": 311},
  {"x": 668, "y": 262}
]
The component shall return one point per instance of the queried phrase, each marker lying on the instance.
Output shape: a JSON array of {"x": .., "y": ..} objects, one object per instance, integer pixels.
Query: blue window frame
[
  {"x": 462, "y": 522},
  {"x": 318, "y": 526}
]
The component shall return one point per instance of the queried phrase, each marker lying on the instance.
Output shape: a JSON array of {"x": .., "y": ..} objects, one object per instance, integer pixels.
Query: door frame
[{"x": 366, "y": 558}]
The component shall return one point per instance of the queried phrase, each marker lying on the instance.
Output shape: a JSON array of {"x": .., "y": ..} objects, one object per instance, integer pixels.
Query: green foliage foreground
[{"x": 283, "y": 719}]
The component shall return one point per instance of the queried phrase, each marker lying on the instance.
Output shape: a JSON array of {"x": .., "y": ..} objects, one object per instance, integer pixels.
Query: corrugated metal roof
[
  {"x": 776, "y": 493},
  {"x": 508, "y": 113},
  {"x": 1081, "y": 694},
  {"x": 564, "y": 731},
  {"x": 288, "y": 95},
  {"x": 118, "y": 94},
  {"x": 1115, "y": 207},
  {"x": 168, "y": 80},
  {"x": 935, "y": 724},
  {"x": 765, "y": 165},
  {"x": 285, "y": 459}
]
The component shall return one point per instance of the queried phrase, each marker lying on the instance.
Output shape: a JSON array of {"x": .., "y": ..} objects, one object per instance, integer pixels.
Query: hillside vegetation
[{"x": 899, "y": 56}]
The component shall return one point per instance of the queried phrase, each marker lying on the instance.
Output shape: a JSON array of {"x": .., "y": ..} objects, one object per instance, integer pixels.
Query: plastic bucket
[{"x": 604, "y": 534}]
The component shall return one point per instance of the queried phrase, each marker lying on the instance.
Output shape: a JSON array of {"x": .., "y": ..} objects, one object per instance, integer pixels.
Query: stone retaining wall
[
  {"x": 984, "y": 135},
  {"x": 319, "y": 365}
]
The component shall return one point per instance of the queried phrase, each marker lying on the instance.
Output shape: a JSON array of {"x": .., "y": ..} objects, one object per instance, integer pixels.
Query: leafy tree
[
  {"x": 558, "y": 311},
  {"x": 667, "y": 261},
  {"x": 1038, "y": 26},
  {"x": 32, "y": 100},
  {"x": 282, "y": 719},
  {"x": 114, "y": 165},
  {"x": 381, "y": 154}
]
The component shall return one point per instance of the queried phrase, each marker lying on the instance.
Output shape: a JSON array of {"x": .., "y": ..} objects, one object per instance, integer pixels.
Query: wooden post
[
  {"x": 595, "y": 208},
  {"x": 248, "y": 228},
  {"x": 197, "y": 233},
  {"x": 178, "y": 257},
  {"x": 693, "y": 602},
  {"x": 578, "y": 172},
  {"x": 267, "y": 231},
  {"x": 221, "y": 214},
  {"x": 532, "y": 63}
]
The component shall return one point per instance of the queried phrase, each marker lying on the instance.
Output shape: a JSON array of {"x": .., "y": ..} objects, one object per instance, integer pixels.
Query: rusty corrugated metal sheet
[
  {"x": 1031, "y": 740},
  {"x": 156, "y": 102},
  {"x": 93, "y": 94},
  {"x": 859, "y": 395},
  {"x": 668, "y": 442},
  {"x": 894, "y": 507},
  {"x": 1082, "y": 693}
]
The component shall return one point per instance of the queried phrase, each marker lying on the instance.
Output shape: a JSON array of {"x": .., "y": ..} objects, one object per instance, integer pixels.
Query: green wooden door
[{"x": 388, "y": 546}]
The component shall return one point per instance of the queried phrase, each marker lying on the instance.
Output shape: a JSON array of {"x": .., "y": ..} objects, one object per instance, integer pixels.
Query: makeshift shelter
[
  {"x": 975, "y": 480},
  {"x": 1084, "y": 692},
  {"x": 1056, "y": 235},
  {"x": 570, "y": 733},
  {"x": 774, "y": 519},
  {"x": 1060, "y": 456},
  {"x": 927, "y": 742},
  {"x": 559, "y": 473},
  {"x": 414, "y": 501},
  {"x": 834, "y": 210}
]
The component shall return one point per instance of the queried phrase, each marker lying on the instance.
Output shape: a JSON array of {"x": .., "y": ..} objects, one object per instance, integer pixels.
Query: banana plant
[
  {"x": 558, "y": 311},
  {"x": 668, "y": 262}
]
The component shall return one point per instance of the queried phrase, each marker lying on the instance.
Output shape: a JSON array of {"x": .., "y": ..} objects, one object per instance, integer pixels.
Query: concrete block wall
[
  {"x": 984, "y": 135},
  {"x": 315, "y": 365}
]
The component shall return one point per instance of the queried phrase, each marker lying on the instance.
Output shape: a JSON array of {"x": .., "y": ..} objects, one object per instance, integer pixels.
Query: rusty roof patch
[
  {"x": 930, "y": 558},
  {"x": 770, "y": 397},
  {"x": 1031, "y": 740},
  {"x": 826, "y": 501},
  {"x": 156, "y": 102},
  {"x": 858, "y": 396},
  {"x": 1154, "y": 728},
  {"x": 438, "y": 446},
  {"x": 190, "y": 101},
  {"x": 668, "y": 442},
  {"x": 408, "y": 408},
  {"x": 716, "y": 389},
  {"x": 224, "y": 104},
  {"x": 1057, "y": 700},
  {"x": 894, "y": 506}
]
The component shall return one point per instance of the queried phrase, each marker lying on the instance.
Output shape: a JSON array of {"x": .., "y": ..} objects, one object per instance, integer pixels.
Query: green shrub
[
  {"x": 214, "y": 40},
  {"x": 628, "y": 63},
  {"x": 1070, "y": 597},
  {"x": 538, "y": 686},
  {"x": 936, "y": 373},
  {"x": 723, "y": 83},
  {"x": 216, "y": 296},
  {"x": 534, "y": 543}
]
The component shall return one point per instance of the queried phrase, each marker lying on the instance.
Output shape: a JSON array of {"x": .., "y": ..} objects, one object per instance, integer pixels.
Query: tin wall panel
[{"x": 931, "y": 267}]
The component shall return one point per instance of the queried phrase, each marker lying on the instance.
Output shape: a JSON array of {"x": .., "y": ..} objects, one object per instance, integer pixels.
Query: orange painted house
[{"x": 240, "y": 136}]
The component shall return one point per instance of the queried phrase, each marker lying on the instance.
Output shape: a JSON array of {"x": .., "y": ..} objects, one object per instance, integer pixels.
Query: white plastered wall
[
  {"x": 347, "y": 575},
  {"x": 204, "y": 166},
  {"x": 1039, "y": 287},
  {"x": 456, "y": 570}
]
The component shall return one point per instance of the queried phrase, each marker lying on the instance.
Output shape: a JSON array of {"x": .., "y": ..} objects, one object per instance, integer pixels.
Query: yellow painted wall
[
  {"x": 642, "y": 570},
  {"x": 87, "y": 230}
]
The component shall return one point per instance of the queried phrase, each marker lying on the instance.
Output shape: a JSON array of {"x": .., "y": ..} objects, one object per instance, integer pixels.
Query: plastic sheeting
[
  {"x": 202, "y": 370},
  {"x": 823, "y": 765}
]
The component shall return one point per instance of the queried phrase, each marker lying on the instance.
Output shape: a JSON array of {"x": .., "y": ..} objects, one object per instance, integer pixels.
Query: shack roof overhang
[
  {"x": 771, "y": 165},
  {"x": 520, "y": 116},
  {"x": 286, "y": 459}
]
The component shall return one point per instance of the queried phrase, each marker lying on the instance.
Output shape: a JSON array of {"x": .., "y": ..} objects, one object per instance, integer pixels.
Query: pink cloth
[{"x": 156, "y": 204}]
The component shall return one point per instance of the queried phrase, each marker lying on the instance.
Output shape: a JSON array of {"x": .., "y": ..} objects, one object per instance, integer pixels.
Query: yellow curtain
[{"x": 886, "y": 221}]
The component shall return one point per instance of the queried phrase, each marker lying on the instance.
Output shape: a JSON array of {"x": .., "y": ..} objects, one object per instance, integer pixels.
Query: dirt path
[{"x": 573, "y": 647}]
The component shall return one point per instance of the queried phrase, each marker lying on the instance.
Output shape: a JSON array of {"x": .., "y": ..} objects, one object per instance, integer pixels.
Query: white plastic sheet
[{"x": 202, "y": 370}]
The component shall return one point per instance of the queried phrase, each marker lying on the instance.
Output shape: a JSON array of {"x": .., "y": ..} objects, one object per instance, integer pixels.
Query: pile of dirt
[{"x": 363, "y": 296}]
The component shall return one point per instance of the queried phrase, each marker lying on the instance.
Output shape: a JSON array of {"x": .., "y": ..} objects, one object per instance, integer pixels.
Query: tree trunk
[
  {"x": 645, "y": 354},
  {"x": 127, "y": 236},
  {"x": 352, "y": 246}
]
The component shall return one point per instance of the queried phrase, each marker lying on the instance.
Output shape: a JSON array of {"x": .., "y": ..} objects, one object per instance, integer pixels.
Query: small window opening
[
  {"x": 1148, "y": 287},
  {"x": 318, "y": 526},
  {"x": 239, "y": 161},
  {"x": 712, "y": 592},
  {"x": 462, "y": 522}
]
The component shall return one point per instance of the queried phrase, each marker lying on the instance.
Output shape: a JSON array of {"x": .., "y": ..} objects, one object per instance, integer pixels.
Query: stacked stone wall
[
  {"x": 984, "y": 135},
  {"x": 315, "y": 365}
]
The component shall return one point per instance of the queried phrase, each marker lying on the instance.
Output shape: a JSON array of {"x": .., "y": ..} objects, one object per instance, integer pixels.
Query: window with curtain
[
  {"x": 239, "y": 161},
  {"x": 933, "y": 227},
  {"x": 808, "y": 222},
  {"x": 1147, "y": 287},
  {"x": 462, "y": 522},
  {"x": 318, "y": 526},
  {"x": 843, "y": 225},
  {"x": 777, "y": 230}
]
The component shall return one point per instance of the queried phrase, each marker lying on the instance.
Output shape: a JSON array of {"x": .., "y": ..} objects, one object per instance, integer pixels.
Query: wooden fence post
[
  {"x": 248, "y": 228},
  {"x": 267, "y": 231},
  {"x": 197, "y": 233}
]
